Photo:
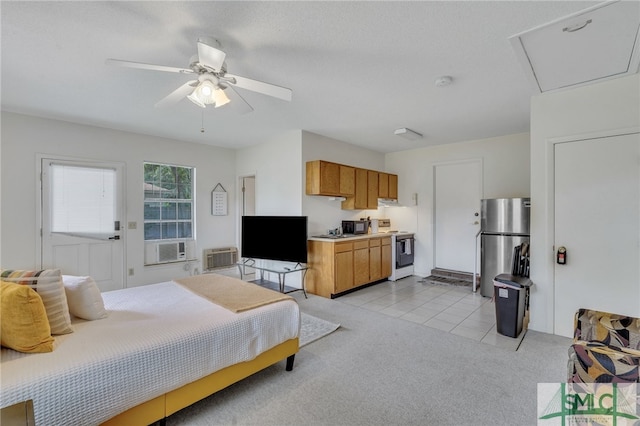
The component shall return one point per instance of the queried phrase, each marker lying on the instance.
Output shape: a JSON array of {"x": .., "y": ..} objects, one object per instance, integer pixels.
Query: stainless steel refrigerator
[{"x": 504, "y": 225}]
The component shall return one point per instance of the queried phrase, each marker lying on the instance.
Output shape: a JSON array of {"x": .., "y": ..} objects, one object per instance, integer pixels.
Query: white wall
[
  {"x": 322, "y": 212},
  {"x": 505, "y": 174},
  {"x": 278, "y": 182},
  {"x": 23, "y": 137},
  {"x": 604, "y": 106},
  {"x": 276, "y": 166},
  {"x": 279, "y": 166}
]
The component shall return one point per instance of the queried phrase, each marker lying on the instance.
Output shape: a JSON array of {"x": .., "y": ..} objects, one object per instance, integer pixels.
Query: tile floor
[{"x": 450, "y": 308}]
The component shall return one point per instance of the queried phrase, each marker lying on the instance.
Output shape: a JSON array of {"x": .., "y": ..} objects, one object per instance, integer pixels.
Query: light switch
[{"x": 132, "y": 225}]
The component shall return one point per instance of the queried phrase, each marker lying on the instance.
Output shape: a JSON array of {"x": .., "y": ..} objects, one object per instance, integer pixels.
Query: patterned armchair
[{"x": 605, "y": 349}]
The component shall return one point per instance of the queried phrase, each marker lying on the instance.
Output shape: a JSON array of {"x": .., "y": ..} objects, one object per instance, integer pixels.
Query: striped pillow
[
  {"x": 48, "y": 284},
  {"x": 24, "y": 325}
]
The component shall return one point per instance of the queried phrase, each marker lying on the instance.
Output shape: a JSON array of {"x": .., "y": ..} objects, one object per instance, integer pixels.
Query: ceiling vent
[{"x": 598, "y": 43}]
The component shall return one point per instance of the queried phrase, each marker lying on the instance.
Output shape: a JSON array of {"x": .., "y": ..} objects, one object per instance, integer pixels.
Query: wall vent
[{"x": 217, "y": 258}]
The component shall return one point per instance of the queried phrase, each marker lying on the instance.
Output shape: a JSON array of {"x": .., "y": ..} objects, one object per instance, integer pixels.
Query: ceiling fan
[{"x": 213, "y": 86}]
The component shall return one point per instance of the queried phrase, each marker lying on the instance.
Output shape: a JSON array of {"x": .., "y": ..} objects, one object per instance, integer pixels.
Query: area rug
[{"x": 313, "y": 328}]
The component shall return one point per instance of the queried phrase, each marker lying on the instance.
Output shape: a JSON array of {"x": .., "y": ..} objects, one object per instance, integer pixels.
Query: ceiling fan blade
[
  {"x": 210, "y": 56},
  {"x": 177, "y": 94},
  {"x": 238, "y": 104},
  {"x": 260, "y": 87},
  {"x": 140, "y": 65}
]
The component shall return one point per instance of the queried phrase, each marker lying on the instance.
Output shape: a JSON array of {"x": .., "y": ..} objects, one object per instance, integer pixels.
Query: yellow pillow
[
  {"x": 49, "y": 286},
  {"x": 24, "y": 326}
]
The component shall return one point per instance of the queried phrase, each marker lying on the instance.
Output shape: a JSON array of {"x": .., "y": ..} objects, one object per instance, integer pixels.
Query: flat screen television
[{"x": 281, "y": 238}]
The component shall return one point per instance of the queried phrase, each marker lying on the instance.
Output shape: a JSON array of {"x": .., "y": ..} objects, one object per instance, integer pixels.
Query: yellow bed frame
[{"x": 163, "y": 406}]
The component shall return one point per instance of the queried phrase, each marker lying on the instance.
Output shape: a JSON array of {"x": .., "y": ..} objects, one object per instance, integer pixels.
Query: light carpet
[
  {"x": 377, "y": 370},
  {"x": 314, "y": 328}
]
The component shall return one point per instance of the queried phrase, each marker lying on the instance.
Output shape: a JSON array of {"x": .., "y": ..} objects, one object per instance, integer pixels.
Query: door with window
[{"x": 81, "y": 220}]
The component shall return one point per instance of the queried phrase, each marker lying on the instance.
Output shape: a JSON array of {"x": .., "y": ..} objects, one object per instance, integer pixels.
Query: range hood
[{"x": 388, "y": 202}]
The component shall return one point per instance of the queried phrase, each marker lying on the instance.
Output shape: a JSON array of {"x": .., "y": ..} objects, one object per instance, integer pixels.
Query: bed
[{"x": 161, "y": 348}]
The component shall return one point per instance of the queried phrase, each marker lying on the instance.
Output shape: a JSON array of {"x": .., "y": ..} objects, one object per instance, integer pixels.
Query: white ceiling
[{"x": 358, "y": 70}]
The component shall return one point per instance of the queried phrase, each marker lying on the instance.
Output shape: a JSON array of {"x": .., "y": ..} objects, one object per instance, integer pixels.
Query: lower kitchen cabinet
[
  {"x": 339, "y": 266},
  {"x": 375, "y": 259},
  {"x": 360, "y": 263},
  {"x": 343, "y": 259},
  {"x": 385, "y": 254}
]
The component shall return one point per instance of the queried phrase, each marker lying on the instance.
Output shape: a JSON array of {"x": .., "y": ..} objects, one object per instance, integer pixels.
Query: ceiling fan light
[
  {"x": 220, "y": 98},
  {"x": 204, "y": 94},
  {"x": 205, "y": 90},
  {"x": 193, "y": 97}
]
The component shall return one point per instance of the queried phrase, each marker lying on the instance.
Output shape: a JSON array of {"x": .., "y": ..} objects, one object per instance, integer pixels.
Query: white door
[
  {"x": 248, "y": 195},
  {"x": 81, "y": 220},
  {"x": 597, "y": 220},
  {"x": 458, "y": 191}
]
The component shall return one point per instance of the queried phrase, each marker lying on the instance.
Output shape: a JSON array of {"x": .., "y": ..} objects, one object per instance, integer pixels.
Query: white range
[{"x": 402, "y": 254}]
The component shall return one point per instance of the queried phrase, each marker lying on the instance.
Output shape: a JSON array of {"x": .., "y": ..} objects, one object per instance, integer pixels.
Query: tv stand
[{"x": 276, "y": 267}]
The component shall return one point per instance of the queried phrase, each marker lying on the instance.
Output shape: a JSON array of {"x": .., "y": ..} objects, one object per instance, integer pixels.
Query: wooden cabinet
[
  {"x": 358, "y": 201},
  {"x": 336, "y": 267},
  {"x": 366, "y": 191},
  {"x": 387, "y": 185},
  {"x": 360, "y": 263},
  {"x": 375, "y": 259},
  {"x": 343, "y": 258},
  {"x": 331, "y": 179},
  {"x": 385, "y": 253},
  {"x": 372, "y": 189},
  {"x": 347, "y": 180},
  {"x": 393, "y": 187},
  {"x": 379, "y": 258},
  {"x": 360, "y": 187},
  {"x": 383, "y": 185}
]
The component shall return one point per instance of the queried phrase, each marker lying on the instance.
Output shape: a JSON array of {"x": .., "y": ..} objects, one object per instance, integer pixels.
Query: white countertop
[{"x": 356, "y": 237}]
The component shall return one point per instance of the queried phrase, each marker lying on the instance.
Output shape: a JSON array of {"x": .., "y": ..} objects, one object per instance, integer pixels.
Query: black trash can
[{"x": 511, "y": 295}]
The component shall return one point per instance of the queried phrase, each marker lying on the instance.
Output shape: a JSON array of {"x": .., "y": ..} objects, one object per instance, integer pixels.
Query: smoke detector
[{"x": 445, "y": 80}]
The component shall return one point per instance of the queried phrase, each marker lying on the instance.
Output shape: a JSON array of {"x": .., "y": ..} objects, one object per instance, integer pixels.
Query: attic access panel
[{"x": 597, "y": 43}]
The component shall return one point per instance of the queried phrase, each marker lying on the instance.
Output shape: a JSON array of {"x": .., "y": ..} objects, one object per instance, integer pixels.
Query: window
[
  {"x": 168, "y": 202},
  {"x": 82, "y": 200}
]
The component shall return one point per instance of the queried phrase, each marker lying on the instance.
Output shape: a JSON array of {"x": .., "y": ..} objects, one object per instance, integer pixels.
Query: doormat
[
  {"x": 313, "y": 328},
  {"x": 439, "y": 280}
]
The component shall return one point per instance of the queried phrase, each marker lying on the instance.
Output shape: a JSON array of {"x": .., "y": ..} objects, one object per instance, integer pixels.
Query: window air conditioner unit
[
  {"x": 170, "y": 251},
  {"x": 216, "y": 258}
]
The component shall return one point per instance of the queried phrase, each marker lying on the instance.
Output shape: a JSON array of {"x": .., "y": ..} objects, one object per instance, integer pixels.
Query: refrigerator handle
[{"x": 475, "y": 264}]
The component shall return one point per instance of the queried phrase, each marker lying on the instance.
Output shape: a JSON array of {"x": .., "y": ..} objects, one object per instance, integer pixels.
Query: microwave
[{"x": 355, "y": 226}]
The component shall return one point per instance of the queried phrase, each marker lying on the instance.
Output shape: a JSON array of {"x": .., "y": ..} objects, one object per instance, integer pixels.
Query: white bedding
[{"x": 156, "y": 338}]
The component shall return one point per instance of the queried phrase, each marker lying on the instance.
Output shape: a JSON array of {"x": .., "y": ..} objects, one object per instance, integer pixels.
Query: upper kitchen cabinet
[
  {"x": 366, "y": 191},
  {"x": 331, "y": 179},
  {"x": 387, "y": 186},
  {"x": 359, "y": 200},
  {"x": 393, "y": 187},
  {"x": 361, "y": 187},
  {"x": 372, "y": 189}
]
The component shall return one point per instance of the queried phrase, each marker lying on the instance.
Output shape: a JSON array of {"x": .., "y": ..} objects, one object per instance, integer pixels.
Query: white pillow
[{"x": 83, "y": 297}]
